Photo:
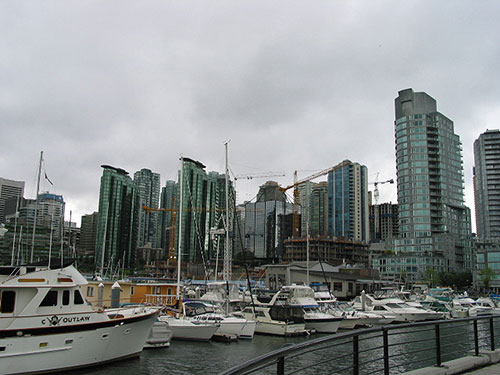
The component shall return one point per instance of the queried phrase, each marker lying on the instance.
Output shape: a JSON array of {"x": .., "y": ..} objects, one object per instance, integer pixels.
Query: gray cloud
[{"x": 294, "y": 85}]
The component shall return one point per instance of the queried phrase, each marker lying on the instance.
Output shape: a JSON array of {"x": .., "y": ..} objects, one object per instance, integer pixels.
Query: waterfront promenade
[{"x": 488, "y": 370}]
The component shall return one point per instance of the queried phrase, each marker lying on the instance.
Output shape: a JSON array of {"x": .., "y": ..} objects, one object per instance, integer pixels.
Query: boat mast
[
  {"x": 36, "y": 207},
  {"x": 15, "y": 232},
  {"x": 181, "y": 190},
  {"x": 227, "y": 248}
]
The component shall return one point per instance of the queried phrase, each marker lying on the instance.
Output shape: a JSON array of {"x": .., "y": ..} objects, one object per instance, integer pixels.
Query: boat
[
  {"x": 275, "y": 320},
  {"x": 46, "y": 325},
  {"x": 314, "y": 318},
  {"x": 402, "y": 311},
  {"x": 468, "y": 304},
  {"x": 228, "y": 325},
  {"x": 184, "y": 328},
  {"x": 159, "y": 336}
]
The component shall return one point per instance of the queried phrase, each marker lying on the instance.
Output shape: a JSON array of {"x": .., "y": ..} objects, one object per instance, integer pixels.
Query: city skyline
[{"x": 302, "y": 91}]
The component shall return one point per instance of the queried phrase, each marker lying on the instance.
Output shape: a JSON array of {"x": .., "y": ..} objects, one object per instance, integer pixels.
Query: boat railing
[
  {"x": 160, "y": 299},
  {"x": 380, "y": 350}
]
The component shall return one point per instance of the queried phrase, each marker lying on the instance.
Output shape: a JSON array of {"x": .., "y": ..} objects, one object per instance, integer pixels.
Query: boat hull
[
  {"x": 59, "y": 352},
  {"x": 278, "y": 328}
]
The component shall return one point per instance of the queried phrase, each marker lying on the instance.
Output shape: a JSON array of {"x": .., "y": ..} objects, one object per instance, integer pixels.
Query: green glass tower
[
  {"x": 202, "y": 209},
  {"x": 148, "y": 192},
  {"x": 116, "y": 238},
  {"x": 434, "y": 223}
]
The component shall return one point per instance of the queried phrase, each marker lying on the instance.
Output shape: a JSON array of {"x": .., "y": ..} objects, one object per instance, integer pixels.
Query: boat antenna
[{"x": 36, "y": 206}]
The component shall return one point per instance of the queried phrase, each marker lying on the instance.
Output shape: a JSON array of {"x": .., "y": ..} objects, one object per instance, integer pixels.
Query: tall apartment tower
[
  {"x": 116, "y": 238},
  {"x": 434, "y": 223},
  {"x": 313, "y": 200},
  {"x": 203, "y": 205},
  {"x": 88, "y": 231},
  {"x": 348, "y": 202},
  {"x": 148, "y": 193},
  {"x": 383, "y": 222},
  {"x": 487, "y": 184},
  {"x": 167, "y": 227},
  {"x": 268, "y": 222},
  {"x": 9, "y": 189}
]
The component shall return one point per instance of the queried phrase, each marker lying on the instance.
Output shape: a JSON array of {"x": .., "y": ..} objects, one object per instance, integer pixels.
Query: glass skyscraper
[
  {"x": 148, "y": 193},
  {"x": 348, "y": 202},
  {"x": 116, "y": 238},
  {"x": 487, "y": 184},
  {"x": 434, "y": 223}
]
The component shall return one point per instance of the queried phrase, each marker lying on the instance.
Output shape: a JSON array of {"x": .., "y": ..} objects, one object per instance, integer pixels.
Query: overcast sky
[{"x": 295, "y": 85}]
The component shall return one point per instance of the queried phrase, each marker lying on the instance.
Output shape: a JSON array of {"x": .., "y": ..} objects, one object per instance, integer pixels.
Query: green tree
[
  {"x": 430, "y": 277},
  {"x": 486, "y": 275}
]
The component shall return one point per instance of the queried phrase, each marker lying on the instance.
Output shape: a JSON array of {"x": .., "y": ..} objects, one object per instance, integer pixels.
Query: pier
[{"x": 434, "y": 347}]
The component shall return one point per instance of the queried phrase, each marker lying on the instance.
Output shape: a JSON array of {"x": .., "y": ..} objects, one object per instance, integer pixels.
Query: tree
[
  {"x": 486, "y": 275},
  {"x": 430, "y": 277}
]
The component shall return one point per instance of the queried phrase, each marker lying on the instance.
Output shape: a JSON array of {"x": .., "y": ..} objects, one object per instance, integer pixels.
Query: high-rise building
[
  {"x": 434, "y": 223},
  {"x": 487, "y": 184},
  {"x": 383, "y": 222},
  {"x": 203, "y": 208},
  {"x": 116, "y": 238},
  {"x": 348, "y": 202},
  {"x": 148, "y": 193},
  {"x": 9, "y": 189},
  {"x": 313, "y": 200},
  {"x": 88, "y": 231},
  {"x": 167, "y": 226},
  {"x": 268, "y": 222}
]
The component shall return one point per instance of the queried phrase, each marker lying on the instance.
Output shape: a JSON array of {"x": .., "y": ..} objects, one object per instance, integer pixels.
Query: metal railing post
[
  {"x": 280, "y": 370},
  {"x": 476, "y": 339},
  {"x": 355, "y": 355},
  {"x": 492, "y": 334},
  {"x": 385, "y": 338},
  {"x": 438, "y": 345}
]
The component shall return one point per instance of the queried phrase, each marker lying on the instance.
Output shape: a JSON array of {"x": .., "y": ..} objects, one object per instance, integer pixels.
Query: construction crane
[
  {"x": 296, "y": 184},
  {"x": 259, "y": 175},
  {"x": 376, "y": 193}
]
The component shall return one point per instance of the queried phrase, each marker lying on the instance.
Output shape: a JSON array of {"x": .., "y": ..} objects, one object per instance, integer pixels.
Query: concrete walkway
[
  {"x": 486, "y": 363},
  {"x": 488, "y": 370}
]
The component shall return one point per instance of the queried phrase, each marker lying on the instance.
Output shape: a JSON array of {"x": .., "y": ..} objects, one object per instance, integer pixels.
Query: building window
[
  {"x": 337, "y": 287},
  {"x": 90, "y": 291}
]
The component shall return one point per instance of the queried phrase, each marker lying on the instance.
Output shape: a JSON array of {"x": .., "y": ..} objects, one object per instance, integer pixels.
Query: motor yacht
[
  {"x": 314, "y": 318},
  {"x": 229, "y": 325},
  {"x": 46, "y": 325},
  {"x": 184, "y": 328}
]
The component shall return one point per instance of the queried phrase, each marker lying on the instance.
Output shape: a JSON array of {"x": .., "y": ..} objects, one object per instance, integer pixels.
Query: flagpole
[{"x": 36, "y": 207}]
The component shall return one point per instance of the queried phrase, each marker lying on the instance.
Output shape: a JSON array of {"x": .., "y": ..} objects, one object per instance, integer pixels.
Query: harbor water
[{"x": 207, "y": 358}]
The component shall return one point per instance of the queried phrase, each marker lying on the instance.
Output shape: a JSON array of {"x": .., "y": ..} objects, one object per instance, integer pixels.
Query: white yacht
[
  {"x": 314, "y": 318},
  {"x": 489, "y": 303},
  {"x": 46, "y": 325},
  {"x": 468, "y": 304},
  {"x": 402, "y": 311},
  {"x": 275, "y": 320},
  {"x": 184, "y": 328},
  {"x": 229, "y": 325}
]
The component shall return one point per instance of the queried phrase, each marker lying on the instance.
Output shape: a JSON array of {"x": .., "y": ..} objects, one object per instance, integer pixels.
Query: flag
[{"x": 47, "y": 178}]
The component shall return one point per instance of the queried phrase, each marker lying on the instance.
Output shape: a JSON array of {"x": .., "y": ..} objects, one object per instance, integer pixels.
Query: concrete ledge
[
  {"x": 455, "y": 366},
  {"x": 494, "y": 356}
]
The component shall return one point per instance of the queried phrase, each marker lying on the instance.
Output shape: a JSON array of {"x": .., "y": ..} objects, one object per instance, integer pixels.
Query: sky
[{"x": 294, "y": 85}]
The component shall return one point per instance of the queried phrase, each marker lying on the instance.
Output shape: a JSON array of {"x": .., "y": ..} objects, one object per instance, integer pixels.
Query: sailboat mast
[
  {"x": 36, "y": 206},
  {"x": 181, "y": 191},
  {"x": 227, "y": 249},
  {"x": 15, "y": 232}
]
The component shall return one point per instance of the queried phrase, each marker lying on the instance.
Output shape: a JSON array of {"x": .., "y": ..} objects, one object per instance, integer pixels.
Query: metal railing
[{"x": 379, "y": 350}]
